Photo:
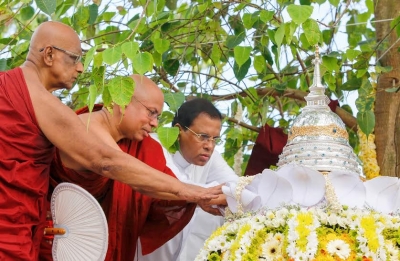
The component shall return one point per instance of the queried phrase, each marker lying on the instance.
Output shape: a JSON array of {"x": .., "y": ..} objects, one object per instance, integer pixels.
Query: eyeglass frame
[
  {"x": 78, "y": 57},
  {"x": 153, "y": 114},
  {"x": 205, "y": 137}
]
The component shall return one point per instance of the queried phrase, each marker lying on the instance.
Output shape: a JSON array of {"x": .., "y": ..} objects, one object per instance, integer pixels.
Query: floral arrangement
[
  {"x": 368, "y": 154},
  {"x": 294, "y": 233}
]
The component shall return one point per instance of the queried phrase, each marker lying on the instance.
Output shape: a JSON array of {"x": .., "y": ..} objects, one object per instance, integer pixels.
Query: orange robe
[
  {"x": 25, "y": 157},
  {"x": 129, "y": 214}
]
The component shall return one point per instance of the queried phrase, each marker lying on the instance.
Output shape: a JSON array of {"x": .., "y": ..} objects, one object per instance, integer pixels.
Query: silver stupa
[{"x": 318, "y": 138}]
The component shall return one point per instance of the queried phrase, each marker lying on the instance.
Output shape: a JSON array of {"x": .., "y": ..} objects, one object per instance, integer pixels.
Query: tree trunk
[{"x": 387, "y": 106}]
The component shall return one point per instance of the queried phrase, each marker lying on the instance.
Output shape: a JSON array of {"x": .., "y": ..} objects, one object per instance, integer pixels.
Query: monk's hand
[
  {"x": 220, "y": 201},
  {"x": 193, "y": 193},
  {"x": 207, "y": 207}
]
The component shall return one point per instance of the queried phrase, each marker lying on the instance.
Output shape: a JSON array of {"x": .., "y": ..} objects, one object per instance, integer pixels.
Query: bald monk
[
  {"x": 128, "y": 213},
  {"x": 33, "y": 121}
]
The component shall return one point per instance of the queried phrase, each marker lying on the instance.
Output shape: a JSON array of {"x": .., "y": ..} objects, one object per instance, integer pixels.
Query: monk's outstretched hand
[
  {"x": 214, "y": 206},
  {"x": 193, "y": 193}
]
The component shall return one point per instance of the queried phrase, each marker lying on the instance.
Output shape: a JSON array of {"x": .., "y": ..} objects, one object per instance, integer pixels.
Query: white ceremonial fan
[{"x": 80, "y": 224}]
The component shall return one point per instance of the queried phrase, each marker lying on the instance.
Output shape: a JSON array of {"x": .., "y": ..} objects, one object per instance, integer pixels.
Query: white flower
[
  {"x": 338, "y": 247},
  {"x": 392, "y": 251}
]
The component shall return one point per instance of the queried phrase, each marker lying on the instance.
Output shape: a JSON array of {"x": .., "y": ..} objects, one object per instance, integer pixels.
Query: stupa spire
[{"x": 317, "y": 96}]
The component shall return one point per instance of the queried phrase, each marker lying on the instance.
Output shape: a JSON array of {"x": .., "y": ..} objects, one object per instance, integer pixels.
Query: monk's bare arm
[{"x": 66, "y": 131}]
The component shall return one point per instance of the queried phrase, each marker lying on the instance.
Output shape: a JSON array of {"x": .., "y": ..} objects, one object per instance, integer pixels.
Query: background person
[
  {"x": 33, "y": 120},
  {"x": 199, "y": 124}
]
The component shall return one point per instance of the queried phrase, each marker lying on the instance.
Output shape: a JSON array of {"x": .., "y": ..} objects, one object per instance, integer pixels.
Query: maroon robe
[
  {"x": 129, "y": 214},
  {"x": 25, "y": 156}
]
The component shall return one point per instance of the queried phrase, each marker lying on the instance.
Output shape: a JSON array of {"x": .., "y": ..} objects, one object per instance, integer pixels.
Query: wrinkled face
[
  {"x": 140, "y": 118},
  {"x": 193, "y": 150},
  {"x": 66, "y": 63}
]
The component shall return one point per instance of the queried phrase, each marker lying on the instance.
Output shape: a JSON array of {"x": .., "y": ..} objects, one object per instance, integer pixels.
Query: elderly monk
[
  {"x": 128, "y": 212},
  {"x": 199, "y": 123},
  {"x": 32, "y": 120}
]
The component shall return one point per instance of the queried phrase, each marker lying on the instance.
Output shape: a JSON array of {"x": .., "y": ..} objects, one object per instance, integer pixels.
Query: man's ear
[{"x": 48, "y": 56}]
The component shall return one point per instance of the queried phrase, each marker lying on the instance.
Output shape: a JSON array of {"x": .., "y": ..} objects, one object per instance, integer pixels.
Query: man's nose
[
  {"x": 154, "y": 122},
  {"x": 79, "y": 67}
]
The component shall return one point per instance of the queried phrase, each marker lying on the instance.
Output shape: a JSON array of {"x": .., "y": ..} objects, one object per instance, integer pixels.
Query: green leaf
[
  {"x": 352, "y": 54},
  {"x": 174, "y": 100},
  {"x": 299, "y": 13},
  {"x": 396, "y": 24},
  {"x": 130, "y": 49},
  {"x": 47, "y": 6},
  {"x": 3, "y": 64},
  {"x": 280, "y": 87},
  {"x": 234, "y": 40},
  {"x": 311, "y": 31},
  {"x": 98, "y": 78},
  {"x": 167, "y": 136},
  {"x": 266, "y": 16},
  {"x": 361, "y": 72},
  {"x": 157, "y": 58},
  {"x": 250, "y": 19},
  {"x": 27, "y": 12},
  {"x": 106, "y": 96},
  {"x": 161, "y": 45},
  {"x": 242, "y": 54},
  {"x": 81, "y": 17},
  {"x": 394, "y": 89},
  {"x": 335, "y": 3},
  {"x": 89, "y": 57},
  {"x": 331, "y": 63},
  {"x": 290, "y": 28},
  {"x": 241, "y": 71},
  {"x": 280, "y": 33},
  {"x": 216, "y": 54},
  {"x": 143, "y": 62},
  {"x": 92, "y": 97},
  {"x": 93, "y": 13},
  {"x": 366, "y": 121},
  {"x": 383, "y": 69},
  {"x": 352, "y": 84},
  {"x": 259, "y": 63},
  {"x": 121, "y": 90},
  {"x": 171, "y": 66},
  {"x": 112, "y": 55}
]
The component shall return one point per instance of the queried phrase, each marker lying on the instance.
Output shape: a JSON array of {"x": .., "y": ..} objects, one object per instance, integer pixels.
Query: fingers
[{"x": 221, "y": 200}]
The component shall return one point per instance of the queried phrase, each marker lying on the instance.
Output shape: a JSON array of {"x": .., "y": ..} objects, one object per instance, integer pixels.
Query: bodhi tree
[{"x": 252, "y": 58}]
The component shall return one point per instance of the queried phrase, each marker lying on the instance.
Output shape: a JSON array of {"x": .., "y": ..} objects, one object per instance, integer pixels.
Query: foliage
[{"x": 255, "y": 53}]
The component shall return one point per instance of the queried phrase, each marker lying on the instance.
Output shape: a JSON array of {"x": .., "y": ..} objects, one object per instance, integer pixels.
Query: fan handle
[{"x": 54, "y": 231}]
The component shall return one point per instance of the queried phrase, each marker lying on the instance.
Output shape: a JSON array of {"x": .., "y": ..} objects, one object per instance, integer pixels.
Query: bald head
[
  {"x": 57, "y": 34},
  {"x": 146, "y": 89}
]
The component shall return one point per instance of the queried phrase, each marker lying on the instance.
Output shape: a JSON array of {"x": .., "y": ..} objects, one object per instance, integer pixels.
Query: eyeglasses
[
  {"x": 152, "y": 114},
  {"x": 77, "y": 58},
  {"x": 206, "y": 138}
]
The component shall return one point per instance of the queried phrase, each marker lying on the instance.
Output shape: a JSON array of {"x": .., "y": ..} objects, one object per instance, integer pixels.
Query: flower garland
[
  {"x": 238, "y": 157},
  {"x": 367, "y": 152},
  {"x": 314, "y": 234}
]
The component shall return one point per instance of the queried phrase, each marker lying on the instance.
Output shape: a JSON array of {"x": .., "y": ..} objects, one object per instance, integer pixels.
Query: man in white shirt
[{"x": 196, "y": 162}]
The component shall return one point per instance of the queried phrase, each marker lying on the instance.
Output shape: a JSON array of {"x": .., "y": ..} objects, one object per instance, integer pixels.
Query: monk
[
  {"x": 33, "y": 121},
  {"x": 199, "y": 123},
  {"x": 128, "y": 213}
]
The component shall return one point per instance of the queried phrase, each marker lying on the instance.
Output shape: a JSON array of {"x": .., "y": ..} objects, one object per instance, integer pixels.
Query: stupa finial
[{"x": 317, "y": 96}]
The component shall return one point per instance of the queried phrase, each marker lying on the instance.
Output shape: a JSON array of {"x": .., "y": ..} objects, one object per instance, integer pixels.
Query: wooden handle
[{"x": 54, "y": 231}]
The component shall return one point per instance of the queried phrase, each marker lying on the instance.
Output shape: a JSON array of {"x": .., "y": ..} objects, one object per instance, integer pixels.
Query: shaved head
[
  {"x": 54, "y": 55},
  {"x": 146, "y": 89},
  {"x": 55, "y": 33}
]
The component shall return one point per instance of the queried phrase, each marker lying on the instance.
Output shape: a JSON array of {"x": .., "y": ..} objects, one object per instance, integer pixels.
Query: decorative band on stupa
[{"x": 318, "y": 138}]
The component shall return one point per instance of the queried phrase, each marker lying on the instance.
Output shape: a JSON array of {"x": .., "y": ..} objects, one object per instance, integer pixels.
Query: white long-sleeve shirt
[{"x": 186, "y": 245}]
